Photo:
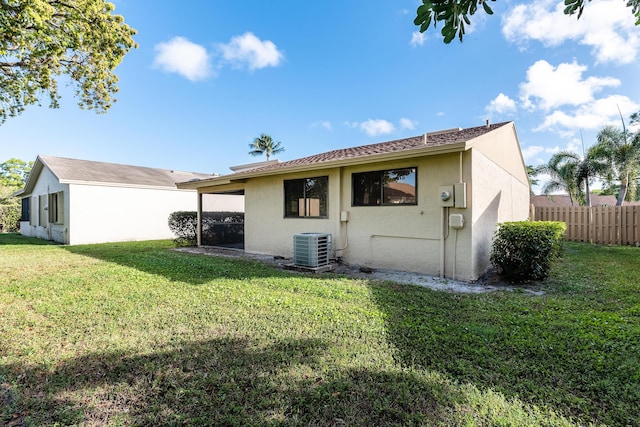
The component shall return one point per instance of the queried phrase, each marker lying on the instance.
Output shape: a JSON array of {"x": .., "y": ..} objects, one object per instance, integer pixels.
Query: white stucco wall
[
  {"x": 222, "y": 203},
  {"x": 113, "y": 214},
  {"x": 498, "y": 196}
]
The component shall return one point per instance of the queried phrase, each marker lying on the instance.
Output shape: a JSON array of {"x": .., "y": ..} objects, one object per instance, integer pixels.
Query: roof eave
[{"x": 399, "y": 155}]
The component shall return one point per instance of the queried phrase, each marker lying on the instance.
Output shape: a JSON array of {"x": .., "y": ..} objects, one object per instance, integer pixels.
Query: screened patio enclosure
[{"x": 221, "y": 219}]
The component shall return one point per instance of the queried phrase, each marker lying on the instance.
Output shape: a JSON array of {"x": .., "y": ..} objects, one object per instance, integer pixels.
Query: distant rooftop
[{"x": 87, "y": 171}]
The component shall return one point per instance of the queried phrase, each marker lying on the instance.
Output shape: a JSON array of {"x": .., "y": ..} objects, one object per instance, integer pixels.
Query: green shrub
[
  {"x": 525, "y": 250},
  {"x": 217, "y": 227},
  {"x": 9, "y": 218},
  {"x": 184, "y": 225}
]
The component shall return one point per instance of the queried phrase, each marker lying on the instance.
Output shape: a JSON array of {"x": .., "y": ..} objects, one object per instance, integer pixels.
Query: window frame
[
  {"x": 306, "y": 202},
  {"x": 25, "y": 210},
  {"x": 56, "y": 208},
  {"x": 378, "y": 177}
]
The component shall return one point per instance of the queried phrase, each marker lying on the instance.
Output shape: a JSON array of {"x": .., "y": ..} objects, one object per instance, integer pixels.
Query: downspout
[
  {"x": 199, "y": 220},
  {"x": 442, "y": 227},
  {"x": 342, "y": 240},
  {"x": 48, "y": 215}
]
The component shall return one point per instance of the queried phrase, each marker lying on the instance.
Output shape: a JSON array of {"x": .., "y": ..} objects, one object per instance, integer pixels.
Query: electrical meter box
[{"x": 445, "y": 192}]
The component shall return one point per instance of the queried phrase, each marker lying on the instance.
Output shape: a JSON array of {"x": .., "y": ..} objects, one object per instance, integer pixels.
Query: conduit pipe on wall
[{"x": 442, "y": 226}]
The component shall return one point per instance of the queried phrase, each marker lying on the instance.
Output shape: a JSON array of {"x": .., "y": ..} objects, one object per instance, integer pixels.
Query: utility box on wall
[
  {"x": 446, "y": 195},
  {"x": 456, "y": 221},
  {"x": 460, "y": 195},
  {"x": 453, "y": 196}
]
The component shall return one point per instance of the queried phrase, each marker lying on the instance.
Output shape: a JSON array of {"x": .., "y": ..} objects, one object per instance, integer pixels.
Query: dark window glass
[
  {"x": 384, "y": 188},
  {"x": 306, "y": 197},
  {"x": 26, "y": 214}
]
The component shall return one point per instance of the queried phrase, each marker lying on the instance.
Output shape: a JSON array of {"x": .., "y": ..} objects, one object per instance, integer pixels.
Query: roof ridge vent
[{"x": 442, "y": 132}]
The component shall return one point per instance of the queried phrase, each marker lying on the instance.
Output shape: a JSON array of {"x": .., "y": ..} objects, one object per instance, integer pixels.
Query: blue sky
[{"x": 209, "y": 76}]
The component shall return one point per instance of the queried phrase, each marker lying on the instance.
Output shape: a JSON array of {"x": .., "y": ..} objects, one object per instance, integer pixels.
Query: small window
[
  {"x": 56, "y": 204},
  {"x": 306, "y": 197},
  {"x": 25, "y": 214},
  {"x": 385, "y": 188}
]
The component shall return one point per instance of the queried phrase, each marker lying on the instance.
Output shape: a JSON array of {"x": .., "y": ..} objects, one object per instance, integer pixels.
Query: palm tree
[
  {"x": 563, "y": 167},
  {"x": 264, "y": 144},
  {"x": 621, "y": 151},
  {"x": 532, "y": 173}
]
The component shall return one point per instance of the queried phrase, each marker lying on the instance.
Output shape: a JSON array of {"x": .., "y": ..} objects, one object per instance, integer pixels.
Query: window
[
  {"x": 25, "y": 214},
  {"x": 56, "y": 204},
  {"x": 306, "y": 197},
  {"x": 385, "y": 188}
]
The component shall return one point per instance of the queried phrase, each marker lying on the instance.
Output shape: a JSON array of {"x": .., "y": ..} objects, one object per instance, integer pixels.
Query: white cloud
[
  {"x": 407, "y": 123},
  {"x": 607, "y": 26},
  {"x": 502, "y": 104},
  {"x": 549, "y": 87},
  {"x": 183, "y": 57},
  {"x": 249, "y": 51},
  {"x": 376, "y": 127},
  {"x": 537, "y": 154},
  {"x": 417, "y": 39},
  {"x": 531, "y": 154},
  {"x": 591, "y": 115},
  {"x": 323, "y": 124}
]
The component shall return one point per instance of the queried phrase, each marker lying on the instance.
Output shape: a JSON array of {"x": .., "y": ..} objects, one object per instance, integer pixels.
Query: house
[
  {"x": 426, "y": 204},
  {"x": 563, "y": 200},
  {"x": 75, "y": 201}
]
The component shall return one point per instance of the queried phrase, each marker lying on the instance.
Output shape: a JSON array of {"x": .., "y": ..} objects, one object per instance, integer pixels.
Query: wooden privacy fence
[{"x": 608, "y": 225}]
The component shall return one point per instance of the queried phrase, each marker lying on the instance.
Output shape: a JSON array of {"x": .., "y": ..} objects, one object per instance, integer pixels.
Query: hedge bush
[
  {"x": 525, "y": 250},
  {"x": 184, "y": 225},
  {"x": 217, "y": 227},
  {"x": 9, "y": 218}
]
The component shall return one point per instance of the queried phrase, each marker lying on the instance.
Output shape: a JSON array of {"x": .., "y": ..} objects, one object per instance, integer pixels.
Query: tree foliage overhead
[
  {"x": 454, "y": 14},
  {"x": 42, "y": 40},
  {"x": 14, "y": 173}
]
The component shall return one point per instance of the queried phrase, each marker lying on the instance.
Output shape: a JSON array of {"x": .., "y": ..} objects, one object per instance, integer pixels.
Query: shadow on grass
[
  {"x": 19, "y": 239},
  {"x": 542, "y": 351},
  {"x": 155, "y": 257},
  {"x": 220, "y": 382}
]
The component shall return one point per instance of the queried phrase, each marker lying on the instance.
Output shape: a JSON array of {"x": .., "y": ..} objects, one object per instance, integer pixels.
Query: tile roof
[
  {"x": 433, "y": 140},
  {"x": 74, "y": 170}
]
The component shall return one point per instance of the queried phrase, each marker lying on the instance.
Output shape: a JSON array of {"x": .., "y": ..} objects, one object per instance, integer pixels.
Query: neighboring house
[
  {"x": 79, "y": 201},
  {"x": 427, "y": 204},
  {"x": 563, "y": 200}
]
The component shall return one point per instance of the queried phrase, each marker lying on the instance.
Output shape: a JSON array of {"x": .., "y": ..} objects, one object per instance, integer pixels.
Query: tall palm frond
[
  {"x": 264, "y": 144},
  {"x": 621, "y": 150},
  {"x": 563, "y": 168}
]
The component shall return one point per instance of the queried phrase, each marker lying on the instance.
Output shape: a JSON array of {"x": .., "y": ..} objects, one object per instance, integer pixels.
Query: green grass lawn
[{"x": 137, "y": 334}]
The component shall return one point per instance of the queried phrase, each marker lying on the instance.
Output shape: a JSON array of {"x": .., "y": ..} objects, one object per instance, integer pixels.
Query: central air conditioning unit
[{"x": 311, "y": 249}]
